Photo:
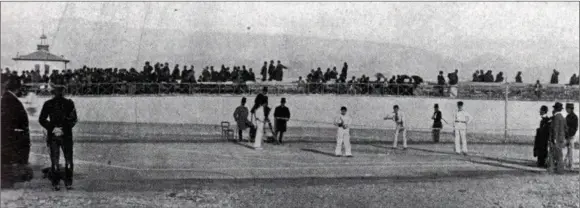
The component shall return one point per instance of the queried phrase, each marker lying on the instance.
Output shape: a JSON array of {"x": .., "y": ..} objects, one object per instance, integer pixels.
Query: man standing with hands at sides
[
  {"x": 399, "y": 120},
  {"x": 241, "y": 117},
  {"x": 462, "y": 118},
  {"x": 542, "y": 136},
  {"x": 58, "y": 116},
  {"x": 343, "y": 133},
  {"x": 281, "y": 117},
  {"x": 557, "y": 139},
  {"x": 437, "y": 125},
  {"x": 572, "y": 124}
]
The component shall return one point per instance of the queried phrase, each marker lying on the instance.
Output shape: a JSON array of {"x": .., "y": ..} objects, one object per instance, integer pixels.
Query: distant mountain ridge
[{"x": 115, "y": 45}]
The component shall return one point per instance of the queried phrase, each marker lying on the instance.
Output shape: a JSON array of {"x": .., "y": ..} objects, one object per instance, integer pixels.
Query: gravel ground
[{"x": 538, "y": 190}]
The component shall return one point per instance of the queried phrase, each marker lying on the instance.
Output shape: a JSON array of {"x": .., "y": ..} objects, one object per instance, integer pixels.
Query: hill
[{"x": 107, "y": 44}]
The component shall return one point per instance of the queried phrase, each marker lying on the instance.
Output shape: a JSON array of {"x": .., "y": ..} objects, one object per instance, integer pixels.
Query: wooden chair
[{"x": 227, "y": 132}]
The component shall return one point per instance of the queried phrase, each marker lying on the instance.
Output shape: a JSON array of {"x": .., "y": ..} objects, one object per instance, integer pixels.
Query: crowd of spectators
[
  {"x": 480, "y": 76},
  {"x": 317, "y": 81}
]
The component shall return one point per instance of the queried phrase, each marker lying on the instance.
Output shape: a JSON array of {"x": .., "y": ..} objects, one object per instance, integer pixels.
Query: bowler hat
[
  {"x": 570, "y": 105},
  {"x": 558, "y": 105}
]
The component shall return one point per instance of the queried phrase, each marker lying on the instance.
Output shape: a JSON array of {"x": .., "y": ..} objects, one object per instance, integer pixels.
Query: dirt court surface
[{"x": 218, "y": 173}]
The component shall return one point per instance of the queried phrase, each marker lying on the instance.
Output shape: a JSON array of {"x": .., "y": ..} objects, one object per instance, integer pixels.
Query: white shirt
[
  {"x": 346, "y": 121},
  {"x": 462, "y": 118},
  {"x": 399, "y": 118},
  {"x": 259, "y": 113}
]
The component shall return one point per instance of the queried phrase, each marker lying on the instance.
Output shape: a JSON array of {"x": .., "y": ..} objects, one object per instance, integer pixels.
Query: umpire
[{"x": 62, "y": 117}]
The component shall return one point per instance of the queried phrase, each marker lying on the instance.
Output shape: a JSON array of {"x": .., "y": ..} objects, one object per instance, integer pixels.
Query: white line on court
[
  {"x": 303, "y": 163},
  {"x": 92, "y": 163},
  {"x": 237, "y": 157},
  {"x": 309, "y": 167}
]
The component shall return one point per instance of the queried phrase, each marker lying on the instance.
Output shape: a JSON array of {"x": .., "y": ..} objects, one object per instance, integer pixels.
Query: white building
[{"x": 41, "y": 59}]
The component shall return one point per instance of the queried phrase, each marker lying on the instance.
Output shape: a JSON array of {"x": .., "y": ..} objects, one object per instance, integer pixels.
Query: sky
[{"x": 437, "y": 26}]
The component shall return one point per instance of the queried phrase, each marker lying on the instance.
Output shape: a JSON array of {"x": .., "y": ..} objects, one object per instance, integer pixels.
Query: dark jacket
[
  {"x": 541, "y": 139},
  {"x": 558, "y": 128},
  {"x": 13, "y": 119},
  {"x": 437, "y": 120},
  {"x": 281, "y": 112},
  {"x": 62, "y": 113},
  {"x": 572, "y": 123}
]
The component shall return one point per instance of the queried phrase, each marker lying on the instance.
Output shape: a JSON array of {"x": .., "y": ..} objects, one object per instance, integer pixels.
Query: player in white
[
  {"x": 462, "y": 118},
  {"x": 399, "y": 119},
  {"x": 260, "y": 121},
  {"x": 343, "y": 133}
]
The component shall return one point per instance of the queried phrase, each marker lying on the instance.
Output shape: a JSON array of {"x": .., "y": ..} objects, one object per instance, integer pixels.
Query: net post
[{"x": 505, "y": 134}]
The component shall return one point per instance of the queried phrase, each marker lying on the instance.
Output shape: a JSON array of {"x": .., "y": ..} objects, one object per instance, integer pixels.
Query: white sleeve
[{"x": 469, "y": 117}]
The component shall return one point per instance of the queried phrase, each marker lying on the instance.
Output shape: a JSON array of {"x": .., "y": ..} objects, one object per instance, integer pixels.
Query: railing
[{"x": 483, "y": 91}]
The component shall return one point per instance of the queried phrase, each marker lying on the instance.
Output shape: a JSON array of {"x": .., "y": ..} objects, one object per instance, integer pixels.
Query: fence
[
  {"x": 500, "y": 110},
  {"x": 475, "y": 91}
]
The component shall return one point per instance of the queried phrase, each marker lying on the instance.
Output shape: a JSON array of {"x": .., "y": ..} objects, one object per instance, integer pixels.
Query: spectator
[
  {"x": 481, "y": 76},
  {"x": 574, "y": 80},
  {"x": 519, "y": 77},
  {"x": 279, "y": 71},
  {"x": 344, "y": 72},
  {"x": 440, "y": 83},
  {"x": 327, "y": 75},
  {"x": 538, "y": 89},
  {"x": 554, "y": 79},
  {"x": 252, "y": 76},
  {"x": 264, "y": 71},
  {"x": 334, "y": 74},
  {"x": 475, "y": 76},
  {"x": 271, "y": 70},
  {"x": 499, "y": 78},
  {"x": 488, "y": 76}
]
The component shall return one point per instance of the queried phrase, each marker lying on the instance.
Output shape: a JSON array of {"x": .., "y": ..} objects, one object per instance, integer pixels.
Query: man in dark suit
[
  {"x": 542, "y": 136},
  {"x": 572, "y": 124},
  {"x": 281, "y": 117},
  {"x": 15, "y": 136},
  {"x": 557, "y": 139},
  {"x": 279, "y": 71},
  {"x": 58, "y": 116},
  {"x": 271, "y": 70},
  {"x": 264, "y": 71},
  {"x": 441, "y": 83}
]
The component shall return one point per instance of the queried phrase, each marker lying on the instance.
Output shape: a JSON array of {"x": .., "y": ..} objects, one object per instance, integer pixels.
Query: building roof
[{"x": 40, "y": 55}]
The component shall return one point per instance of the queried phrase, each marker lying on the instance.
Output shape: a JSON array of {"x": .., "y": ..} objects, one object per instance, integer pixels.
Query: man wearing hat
[
  {"x": 400, "y": 121},
  {"x": 343, "y": 123},
  {"x": 437, "y": 124},
  {"x": 557, "y": 139},
  {"x": 281, "y": 117},
  {"x": 58, "y": 116},
  {"x": 572, "y": 124},
  {"x": 15, "y": 135},
  {"x": 542, "y": 136},
  {"x": 462, "y": 119}
]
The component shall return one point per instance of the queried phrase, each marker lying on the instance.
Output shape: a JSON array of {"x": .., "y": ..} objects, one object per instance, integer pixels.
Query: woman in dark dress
[
  {"x": 542, "y": 136},
  {"x": 437, "y": 125}
]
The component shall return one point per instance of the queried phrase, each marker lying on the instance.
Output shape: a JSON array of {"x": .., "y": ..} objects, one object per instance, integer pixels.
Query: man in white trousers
[
  {"x": 343, "y": 133},
  {"x": 260, "y": 120},
  {"x": 462, "y": 119},
  {"x": 399, "y": 119}
]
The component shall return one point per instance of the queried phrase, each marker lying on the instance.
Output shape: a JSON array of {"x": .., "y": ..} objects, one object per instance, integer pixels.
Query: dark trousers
[
  {"x": 556, "y": 158},
  {"x": 280, "y": 135},
  {"x": 240, "y": 134},
  {"x": 436, "y": 133},
  {"x": 542, "y": 156},
  {"x": 55, "y": 145},
  {"x": 15, "y": 152}
]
